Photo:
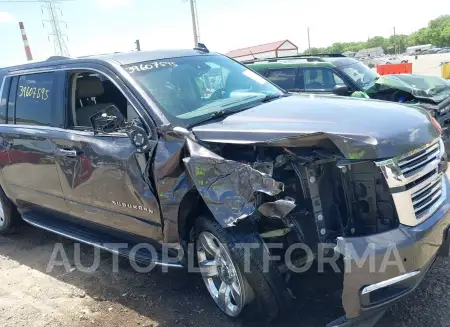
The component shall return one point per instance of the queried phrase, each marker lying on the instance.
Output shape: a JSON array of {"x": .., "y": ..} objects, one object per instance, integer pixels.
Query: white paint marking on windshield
[{"x": 150, "y": 66}]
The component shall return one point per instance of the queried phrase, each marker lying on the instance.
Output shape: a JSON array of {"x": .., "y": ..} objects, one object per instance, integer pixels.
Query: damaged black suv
[{"x": 187, "y": 147}]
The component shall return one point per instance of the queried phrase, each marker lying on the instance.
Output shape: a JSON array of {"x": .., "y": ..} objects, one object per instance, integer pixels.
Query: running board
[{"x": 97, "y": 239}]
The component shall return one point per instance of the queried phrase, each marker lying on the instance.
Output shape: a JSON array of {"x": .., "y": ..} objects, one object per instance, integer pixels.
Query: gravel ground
[{"x": 32, "y": 297}]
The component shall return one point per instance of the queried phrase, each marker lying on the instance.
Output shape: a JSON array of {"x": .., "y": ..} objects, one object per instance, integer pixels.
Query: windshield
[
  {"x": 360, "y": 74},
  {"x": 188, "y": 89}
]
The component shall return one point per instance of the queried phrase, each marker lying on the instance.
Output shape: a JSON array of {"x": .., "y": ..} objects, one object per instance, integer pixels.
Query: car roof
[
  {"x": 302, "y": 62},
  {"x": 122, "y": 58}
]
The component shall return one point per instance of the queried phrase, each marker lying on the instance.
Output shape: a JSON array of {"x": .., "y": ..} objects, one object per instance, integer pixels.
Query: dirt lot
[{"x": 29, "y": 296}]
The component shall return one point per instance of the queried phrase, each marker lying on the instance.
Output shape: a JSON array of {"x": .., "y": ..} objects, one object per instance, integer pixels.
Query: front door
[{"x": 103, "y": 177}]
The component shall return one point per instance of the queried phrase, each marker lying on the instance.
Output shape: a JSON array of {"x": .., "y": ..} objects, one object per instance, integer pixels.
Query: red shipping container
[{"x": 395, "y": 69}]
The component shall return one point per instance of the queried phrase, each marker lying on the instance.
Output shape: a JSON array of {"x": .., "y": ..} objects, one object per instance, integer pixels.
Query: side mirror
[
  {"x": 107, "y": 120},
  {"x": 138, "y": 136},
  {"x": 341, "y": 90}
]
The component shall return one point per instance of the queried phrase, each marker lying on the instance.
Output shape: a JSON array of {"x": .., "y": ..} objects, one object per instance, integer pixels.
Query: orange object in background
[{"x": 395, "y": 69}]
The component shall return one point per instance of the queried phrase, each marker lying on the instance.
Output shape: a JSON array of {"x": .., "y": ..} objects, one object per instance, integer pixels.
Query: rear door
[
  {"x": 34, "y": 115},
  {"x": 104, "y": 178},
  {"x": 319, "y": 79},
  {"x": 283, "y": 77}
]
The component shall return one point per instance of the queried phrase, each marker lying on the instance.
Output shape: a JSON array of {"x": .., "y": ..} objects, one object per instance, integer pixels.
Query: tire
[
  {"x": 9, "y": 217},
  {"x": 266, "y": 293}
]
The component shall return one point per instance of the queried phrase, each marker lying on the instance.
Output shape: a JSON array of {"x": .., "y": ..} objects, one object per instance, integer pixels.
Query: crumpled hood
[
  {"x": 360, "y": 128},
  {"x": 433, "y": 88}
]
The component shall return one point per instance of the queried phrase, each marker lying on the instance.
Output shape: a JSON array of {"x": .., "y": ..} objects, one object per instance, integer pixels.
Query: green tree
[{"x": 437, "y": 33}]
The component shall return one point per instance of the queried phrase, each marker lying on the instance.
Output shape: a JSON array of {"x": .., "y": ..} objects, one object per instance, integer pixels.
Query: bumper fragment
[{"x": 381, "y": 269}]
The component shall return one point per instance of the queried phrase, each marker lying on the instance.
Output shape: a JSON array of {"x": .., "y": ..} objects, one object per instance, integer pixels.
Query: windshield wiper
[
  {"x": 271, "y": 97},
  {"x": 245, "y": 106},
  {"x": 219, "y": 114}
]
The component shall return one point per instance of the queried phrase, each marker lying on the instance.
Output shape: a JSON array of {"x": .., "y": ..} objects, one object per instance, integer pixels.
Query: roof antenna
[
  {"x": 253, "y": 55},
  {"x": 201, "y": 47}
]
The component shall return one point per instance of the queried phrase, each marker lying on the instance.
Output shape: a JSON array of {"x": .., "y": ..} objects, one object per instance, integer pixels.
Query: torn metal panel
[
  {"x": 171, "y": 182},
  {"x": 264, "y": 167},
  {"x": 227, "y": 187},
  {"x": 405, "y": 252},
  {"x": 277, "y": 209},
  {"x": 433, "y": 88}
]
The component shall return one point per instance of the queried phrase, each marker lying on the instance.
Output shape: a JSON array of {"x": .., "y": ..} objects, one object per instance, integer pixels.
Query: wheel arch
[{"x": 191, "y": 206}]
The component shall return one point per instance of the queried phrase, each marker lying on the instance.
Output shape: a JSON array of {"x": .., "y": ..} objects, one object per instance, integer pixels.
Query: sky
[{"x": 103, "y": 26}]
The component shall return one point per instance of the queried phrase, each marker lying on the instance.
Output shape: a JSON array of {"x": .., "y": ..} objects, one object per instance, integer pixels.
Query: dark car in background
[
  {"x": 339, "y": 75},
  {"x": 187, "y": 147}
]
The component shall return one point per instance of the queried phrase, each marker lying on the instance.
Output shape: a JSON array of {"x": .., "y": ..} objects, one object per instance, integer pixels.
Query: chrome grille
[
  {"x": 427, "y": 197},
  {"x": 411, "y": 165},
  {"x": 417, "y": 186}
]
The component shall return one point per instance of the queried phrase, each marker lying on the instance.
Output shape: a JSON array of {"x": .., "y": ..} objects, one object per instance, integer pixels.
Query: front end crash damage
[
  {"x": 308, "y": 189},
  {"x": 229, "y": 187},
  {"x": 431, "y": 93},
  {"x": 298, "y": 195}
]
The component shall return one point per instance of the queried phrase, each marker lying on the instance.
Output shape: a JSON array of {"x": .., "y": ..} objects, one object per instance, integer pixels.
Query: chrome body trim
[
  {"x": 406, "y": 210},
  {"x": 388, "y": 282},
  {"x": 391, "y": 168},
  {"x": 422, "y": 186}
]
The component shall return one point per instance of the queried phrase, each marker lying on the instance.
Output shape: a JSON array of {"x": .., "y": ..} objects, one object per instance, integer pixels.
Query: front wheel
[{"x": 238, "y": 284}]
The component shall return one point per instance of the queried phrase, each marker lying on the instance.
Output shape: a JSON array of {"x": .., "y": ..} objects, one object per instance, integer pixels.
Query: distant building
[
  {"x": 371, "y": 52},
  {"x": 418, "y": 48},
  {"x": 275, "y": 49}
]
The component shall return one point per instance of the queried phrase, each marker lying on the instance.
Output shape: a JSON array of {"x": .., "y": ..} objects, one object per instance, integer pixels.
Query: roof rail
[
  {"x": 307, "y": 58},
  {"x": 326, "y": 55},
  {"x": 54, "y": 58}
]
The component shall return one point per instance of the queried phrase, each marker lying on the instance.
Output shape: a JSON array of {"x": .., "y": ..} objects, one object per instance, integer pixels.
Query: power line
[{"x": 53, "y": 13}]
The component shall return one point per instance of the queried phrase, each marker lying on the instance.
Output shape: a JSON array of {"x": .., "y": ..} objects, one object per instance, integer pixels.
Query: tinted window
[
  {"x": 11, "y": 100},
  {"x": 35, "y": 99},
  {"x": 323, "y": 79},
  {"x": 3, "y": 100},
  {"x": 284, "y": 78}
]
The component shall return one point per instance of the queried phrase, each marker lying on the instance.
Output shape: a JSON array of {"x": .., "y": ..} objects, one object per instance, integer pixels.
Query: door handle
[{"x": 68, "y": 153}]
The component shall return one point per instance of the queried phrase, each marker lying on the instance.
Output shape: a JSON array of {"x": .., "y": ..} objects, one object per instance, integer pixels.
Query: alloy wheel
[{"x": 223, "y": 280}]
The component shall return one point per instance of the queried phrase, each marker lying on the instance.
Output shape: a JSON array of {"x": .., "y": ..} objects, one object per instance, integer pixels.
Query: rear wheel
[
  {"x": 9, "y": 217},
  {"x": 237, "y": 284}
]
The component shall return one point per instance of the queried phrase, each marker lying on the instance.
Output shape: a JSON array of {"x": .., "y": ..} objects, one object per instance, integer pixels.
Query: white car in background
[
  {"x": 386, "y": 60},
  {"x": 391, "y": 60}
]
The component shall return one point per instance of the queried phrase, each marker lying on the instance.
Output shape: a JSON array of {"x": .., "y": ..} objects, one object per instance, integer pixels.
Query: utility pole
[
  {"x": 395, "y": 39},
  {"x": 309, "y": 40},
  {"x": 138, "y": 45},
  {"x": 58, "y": 37},
  {"x": 195, "y": 22}
]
